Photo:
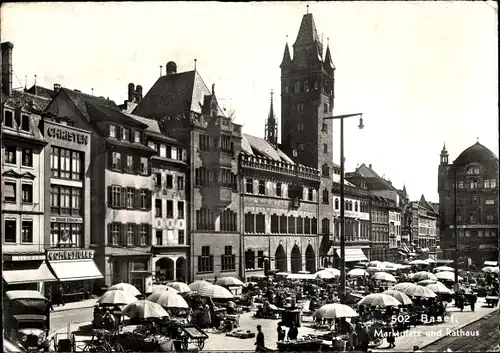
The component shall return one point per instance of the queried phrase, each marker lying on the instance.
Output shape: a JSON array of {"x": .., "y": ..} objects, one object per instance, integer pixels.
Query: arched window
[
  {"x": 356, "y": 206},
  {"x": 297, "y": 87},
  {"x": 325, "y": 196},
  {"x": 336, "y": 204}
]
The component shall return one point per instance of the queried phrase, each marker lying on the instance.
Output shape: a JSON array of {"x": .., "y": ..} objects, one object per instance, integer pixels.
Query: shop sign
[
  {"x": 66, "y": 219},
  {"x": 70, "y": 254},
  {"x": 24, "y": 257},
  {"x": 63, "y": 134}
]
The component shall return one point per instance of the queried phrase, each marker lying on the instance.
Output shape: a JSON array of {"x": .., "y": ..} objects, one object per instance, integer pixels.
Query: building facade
[
  {"x": 394, "y": 235},
  {"x": 475, "y": 172},
  {"x": 121, "y": 185},
  {"x": 307, "y": 96},
  {"x": 188, "y": 111},
  {"x": 23, "y": 186},
  {"x": 424, "y": 228}
]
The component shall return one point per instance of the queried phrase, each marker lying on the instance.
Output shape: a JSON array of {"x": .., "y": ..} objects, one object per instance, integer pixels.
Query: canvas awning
[
  {"x": 301, "y": 276},
  {"x": 353, "y": 255},
  {"x": 40, "y": 274},
  {"x": 75, "y": 270},
  {"x": 491, "y": 263}
]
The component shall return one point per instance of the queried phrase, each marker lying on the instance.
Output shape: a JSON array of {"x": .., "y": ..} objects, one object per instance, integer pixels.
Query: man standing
[
  {"x": 61, "y": 294},
  {"x": 259, "y": 342},
  {"x": 293, "y": 333}
]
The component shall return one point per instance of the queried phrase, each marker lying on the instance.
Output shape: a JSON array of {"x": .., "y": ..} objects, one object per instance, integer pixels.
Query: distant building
[
  {"x": 476, "y": 210},
  {"x": 189, "y": 112},
  {"x": 424, "y": 228}
]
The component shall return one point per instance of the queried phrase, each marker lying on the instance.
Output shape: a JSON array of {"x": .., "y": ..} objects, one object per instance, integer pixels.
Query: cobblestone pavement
[{"x": 419, "y": 336}]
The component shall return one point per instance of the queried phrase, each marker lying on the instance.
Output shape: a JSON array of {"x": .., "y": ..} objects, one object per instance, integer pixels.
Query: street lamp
[
  {"x": 455, "y": 222},
  {"x": 342, "y": 201}
]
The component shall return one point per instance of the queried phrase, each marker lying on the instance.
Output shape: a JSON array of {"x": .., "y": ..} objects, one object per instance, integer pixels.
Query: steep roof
[
  {"x": 41, "y": 91},
  {"x": 256, "y": 146},
  {"x": 153, "y": 129},
  {"x": 30, "y": 102},
  {"x": 369, "y": 173},
  {"x": 174, "y": 94},
  {"x": 307, "y": 31},
  {"x": 475, "y": 153}
]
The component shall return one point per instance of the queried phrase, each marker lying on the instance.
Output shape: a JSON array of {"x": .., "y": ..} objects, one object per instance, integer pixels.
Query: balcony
[{"x": 267, "y": 164}]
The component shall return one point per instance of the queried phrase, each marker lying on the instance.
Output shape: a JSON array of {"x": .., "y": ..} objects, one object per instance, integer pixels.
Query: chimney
[
  {"x": 171, "y": 68},
  {"x": 131, "y": 91},
  {"x": 139, "y": 92},
  {"x": 370, "y": 165},
  {"x": 57, "y": 87},
  {"x": 6, "y": 48}
]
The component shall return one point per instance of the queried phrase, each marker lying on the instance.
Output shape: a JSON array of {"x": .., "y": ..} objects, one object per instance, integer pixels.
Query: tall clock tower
[{"x": 307, "y": 96}]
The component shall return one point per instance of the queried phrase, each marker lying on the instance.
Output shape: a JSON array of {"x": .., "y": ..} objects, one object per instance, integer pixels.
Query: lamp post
[
  {"x": 455, "y": 223},
  {"x": 342, "y": 201}
]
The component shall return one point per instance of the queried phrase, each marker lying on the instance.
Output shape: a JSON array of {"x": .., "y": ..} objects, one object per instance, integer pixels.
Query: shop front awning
[
  {"x": 353, "y": 255},
  {"x": 41, "y": 274},
  {"x": 491, "y": 263},
  {"x": 75, "y": 270}
]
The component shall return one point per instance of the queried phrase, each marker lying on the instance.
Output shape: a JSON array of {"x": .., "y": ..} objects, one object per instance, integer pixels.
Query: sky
[{"x": 422, "y": 73}]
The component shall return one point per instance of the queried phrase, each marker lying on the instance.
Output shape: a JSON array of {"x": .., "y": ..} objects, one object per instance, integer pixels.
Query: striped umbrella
[
  {"x": 116, "y": 297},
  {"x": 199, "y": 284},
  {"x": 144, "y": 309},
  {"x": 379, "y": 299},
  {"x": 420, "y": 276},
  {"x": 126, "y": 288},
  {"x": 229, "y": 281},
  {"x": 439, "y": 288},
  {"x": 400, "y": 296},
  {"x": 159, "y": 288},
  {"x": 215, "y": 292},
  {"x": 181, "y": 287},
  {"x": 169, "y": 299}
]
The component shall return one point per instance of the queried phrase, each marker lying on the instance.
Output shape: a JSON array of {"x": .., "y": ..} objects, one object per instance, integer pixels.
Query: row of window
[
  {"x": 474, "y": 184},
  {"x": 379, "y": 217},
  {"x": 121, "y": 162},
  {"x": 250, "y": 259},
  {"x": 127, "y": 197},
  {"x": 354, "y": 230},
  {"x": 20, "y": 121},
  {"x": 206, "y": 260},
  {"x": 264, "y": 188},
  {"x": 166, "y": 151},
  {"x": 353, "y": 206},
  {"x": 10, "y": 231},
  {"x": 291, "y": 225},
  {"x": 125, "y": 134},
  {"x": 65, "y": 200},
  {"x": 11, "y": 156},
  {"x": 181, "y": 237},
  {"x": 214, "y": 143},
  {"x": 129, "y": 234},
  {"x": 205, "y": 220},
  {"x": 66, "y": 164},
  {"x": 211, "y": 177},
  {"x": 305, "y": 86},
  {"x": 169, "y": 181},
  {"x": 474, "y": 233},
  {"x": 66, "y": 235},
  {"x": 169, "y": 209},
  {"x": 473, "y": 217},
  {"x": 10, "y": 192}
]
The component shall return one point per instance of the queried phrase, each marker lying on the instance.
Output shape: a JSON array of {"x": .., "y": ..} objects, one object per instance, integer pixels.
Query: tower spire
[
  {"x": 271, "y": 131},
  {"x": 287, "y": 59}
]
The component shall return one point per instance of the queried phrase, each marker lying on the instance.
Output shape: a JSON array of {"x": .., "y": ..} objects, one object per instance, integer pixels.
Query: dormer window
[
  {"x": 112, "y": 131},
  {"x": 473, "y": 170},
  {"x": 8, "y": 119},
  {"x": 125, "y": 134},
  {"x": 25, "y": 123},
  {"x": 137, "y": 137}
]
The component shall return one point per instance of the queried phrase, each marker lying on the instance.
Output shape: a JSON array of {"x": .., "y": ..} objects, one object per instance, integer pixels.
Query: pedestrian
[
  {"x": 281, "y": 332},
  {"x": 363, "y": 339},
  {"x": 259, "y": 342},
  {"x": 391, "y": 339},
  {"x": 293, "y": 333},
  {"x": 61, "y": 294},
  {"x": 473, "y": 300},
  {"x": 207, "y": 318}
]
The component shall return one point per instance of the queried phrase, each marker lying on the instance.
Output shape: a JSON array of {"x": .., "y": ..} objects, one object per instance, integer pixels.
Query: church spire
[
  {"x": 287, "y": 59},
  {"x": 271, "y": 132},
  {"x": 328, "y": 57}
]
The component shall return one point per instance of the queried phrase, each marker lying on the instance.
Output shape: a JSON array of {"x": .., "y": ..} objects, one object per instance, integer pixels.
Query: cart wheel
[
  {"x": 119, "y": 348},
  {"x": 184, "y": 344},
  {"x": 201, "y": 344}
]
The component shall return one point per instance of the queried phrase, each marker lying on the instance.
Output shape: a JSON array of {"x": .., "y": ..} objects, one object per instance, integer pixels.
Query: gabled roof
[
  {"x": 153, "y": 129},
  {"x": 41, "y": 91},
  {"x": 256, "y": 146},
  {"x": 28, "y": 101},
  {"x": 423, "y": 202},
  {"x": 174, "y": 94},
  {"x": 369, "y": 173}
]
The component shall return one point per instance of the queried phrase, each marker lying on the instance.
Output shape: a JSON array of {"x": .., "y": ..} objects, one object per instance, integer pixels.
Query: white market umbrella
[
  {"x": 126, "y": 288},
  {"x": 304, "y": 272},
  {"x": 168, "y": 300},
  {"x": 439, "y": 288},
  {"x": 199, "y": 284},
  {"x": 323, "y": 274},
  {"x": 430, "y": 261},
  {"x": 160, "y": 288},
  {"x": 447, "y": 276},
  {"x": 282, "y": 274},
  {"x": 334, "y": 271},
  {"x": 444, "y": 268},
  {"x": 426, "y": 282},
  {"x": 375, "y": 263},
  {"x": 144, "y": 309},
  {"x": 181, "y": 287},
  {"x": 116, "y": 297},
  {"x": 412, "y": 289},
  {"x": 229, "y": 281},
  {"x": 399, "y": 296},
  {"x": 357, "y": 272},
  {"x": 215, "y": 292},
  {"x": 379, "y": 299},
  {"x": 403, "y": 286},
  {"x": 420, "y": 276},
  {"x": 384, "y": 276},
  {"x": 334, "y": 311},
  {"x": 496, "y": 269},
  {"x": 417, "y": 262}
]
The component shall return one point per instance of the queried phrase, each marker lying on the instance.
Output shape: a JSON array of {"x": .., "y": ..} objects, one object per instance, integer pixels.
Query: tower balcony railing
[{"x": 263, "y": 163}]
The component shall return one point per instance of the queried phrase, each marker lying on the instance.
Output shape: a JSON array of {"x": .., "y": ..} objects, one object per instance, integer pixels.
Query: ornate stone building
[
  {"x": 476, "y": 174},
  {"x": 189, "y": 112},
  {"x": 279, "y": 208}
]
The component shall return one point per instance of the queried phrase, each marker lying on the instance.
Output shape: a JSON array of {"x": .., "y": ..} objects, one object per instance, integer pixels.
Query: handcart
[{"x": 192, "y": 334}]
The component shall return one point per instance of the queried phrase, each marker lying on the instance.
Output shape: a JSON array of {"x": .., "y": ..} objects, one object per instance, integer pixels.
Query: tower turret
[
  {"x": 271, "y": 132},
  {"x": 444, "y": 155},
  {"x": 287, "y": 59}
]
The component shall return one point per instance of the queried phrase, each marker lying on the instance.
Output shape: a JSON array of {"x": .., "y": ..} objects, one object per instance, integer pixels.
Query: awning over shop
[
  {"x": 353, "y": 255},
  {"x": 490, "y": 263},
  {"x": 40, "y": 274},
  {"x": 75, "y": 270},
  {"x": 301, "y": 276}
]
